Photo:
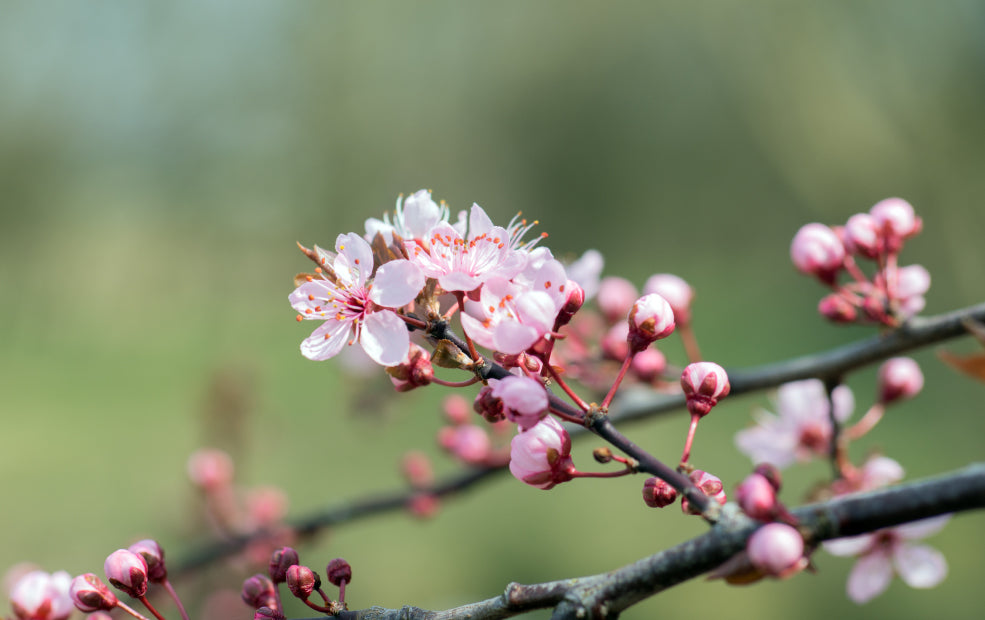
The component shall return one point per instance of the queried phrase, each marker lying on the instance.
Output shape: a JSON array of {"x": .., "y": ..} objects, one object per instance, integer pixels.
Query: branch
[
  {"x": 631, "y": 406},
  {"x": 607, "y": 594}
]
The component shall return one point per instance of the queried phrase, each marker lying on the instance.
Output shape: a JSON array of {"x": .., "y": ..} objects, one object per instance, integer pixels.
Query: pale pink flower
[
  {"x": 465, "y": 263},
  {"x": 541, "y": 455},
  {"x": 816, "y": 250},
  {"x": 413, "y": 218},
  {"x": 616, "y": 297},
  {"x": 801, "y": 429},
  {"x": 777, "y": 549},
  {"x": 586, "y": 271},
  {"x": 888, "y": 551},
  {"x": 40, "y": 596},
  {"x": 524, "y": 399},
  {"x": 676, "y": 291},
  {"x": 355, "y": 309}
]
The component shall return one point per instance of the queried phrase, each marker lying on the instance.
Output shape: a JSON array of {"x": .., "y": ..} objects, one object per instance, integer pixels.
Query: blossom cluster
[{"x": 893, "y": 293}]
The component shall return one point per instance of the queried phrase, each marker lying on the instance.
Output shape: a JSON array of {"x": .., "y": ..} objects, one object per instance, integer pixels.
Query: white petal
[
  {"x": 476, "y": 330},
  {"x": 458, "y": 281},
  {"x": 763, "y": 445},
  {"x": 317, "y": 347},
  {"x": 512, "y": 337},
  {"x": 920, "y": 566},
  {"x": 479, "y": 222},
  {"x": 537, "y": 310},
  {"x": 849, "y": 546},
  {"x": 923, "y": 528},
  {"x": 355, "y": 255},
  {"x": 385, "y": 338},
  {"x": 396, "y": 284},
  {"x": 869, "y": 577},
  {"x": 844, "y": 402}
]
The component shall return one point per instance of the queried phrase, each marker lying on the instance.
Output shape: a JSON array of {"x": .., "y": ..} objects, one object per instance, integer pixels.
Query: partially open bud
[
  {"x": 416, "y": 372},
  {"x": 710, "y": 484},
  {"x": 651, "y": 318},
  {"x": 524, "y": 399},
  {"x": 302, "y": 581},
  {"x": 337, "y": 571},
  {"x": 657, "y": 493},
  {"x": 704, "y": 383},
  {"x": 90, "y": 594},
  {"x": 541, "y": 456},
  {"x": 154, "y": 556},
  {"x": 259, "y": 591},
  {"x": 615, "y": 297},
  {"x": 489, "y": 406},
  {"x": 676, "y": 291},
  {"x": 777, "y": 549},
  {"x": 280, "y": 561},
  {"x": 127, "y": 571},
  {"x": 837, "y": 309},
  {"x": 816, "y": 250},
  {"x": 757, "y": 498},
  {"x": 899, "y": 378}
]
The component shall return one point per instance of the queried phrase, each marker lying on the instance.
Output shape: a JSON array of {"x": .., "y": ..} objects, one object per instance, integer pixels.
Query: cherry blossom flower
[
  {"x": 40, "y": 596},
  {"x": 413, "y": 218},
  {"x": 541, "y": 456},
  {"x": 586, "y": 271},
  {"x": 801, "y": 429},
  {"x": 353, "y": 307},
  {"x": 463, "y": 263},
  {"x": 885, "y": 552},
  {"x": 524, "y": 399}
]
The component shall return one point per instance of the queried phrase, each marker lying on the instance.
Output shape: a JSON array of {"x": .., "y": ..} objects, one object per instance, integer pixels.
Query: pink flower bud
[
  {"x": 337, "y": 571},
  {"x": 657, "y": 493},
  {"x": 541, "y": 456},
  {"x": 523, "y": 398},
  {"x": 302, "y": 581},
  {"x": 266, "y": 505},
  {"x": 651, "y": 318},
  {"x": 90, "y": 594},
  {"x": 574, "y": 300},
  {"x": 259, "y": 591},
  {"x": 489, "y": 406},
  {"x": 468, "y": 442},
  {"x": 154, "y": 556},
  {"x": 704, "y": 383},
  {"x": 455, "y": 408},
  {"x": 776, "y": 549},
  {"x": 280, "y": 561},
  {"x": 424, "y": 506},
  {"x": 615, "y": 298},
  {"x": 899, "y": 378},
  {"x": 816, "y": 250},
  {"x": 415, "y": 372},
  {"x": 127, "y": 572},
  {"x": 417, "y": 470},
  {"x": 210, "y": 469},
  {"x": 862, "y": 235},
  {"x": 757, "y": 498},
  {"x": 912, "y": 282},
  {"x": 648, "y": 364},
  {"x": 40, "y": 596},
  {"x": 896, "y": 220},
  {"x": 676, "y": 291},
  {"x": 771, "y": 473},
  {"x": 837, "y": 309},
  {"x": 709, "y": 484},
  {"x": 615, "y": 342},
  {"x": 266, "y": 613}
]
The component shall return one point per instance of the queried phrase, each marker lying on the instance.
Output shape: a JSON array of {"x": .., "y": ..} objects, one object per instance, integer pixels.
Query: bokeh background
[{"x": 159, "y": 160}]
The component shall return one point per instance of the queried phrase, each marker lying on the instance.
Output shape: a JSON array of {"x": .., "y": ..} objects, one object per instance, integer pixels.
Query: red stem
[{"x": 615, "y": 384}]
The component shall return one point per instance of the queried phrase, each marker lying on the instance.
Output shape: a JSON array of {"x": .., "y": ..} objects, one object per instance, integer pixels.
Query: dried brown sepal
[
  {"x": 384, "y": 253},
  {"x": 972, "y": 365},
  {"x": 447, "y": 355}
]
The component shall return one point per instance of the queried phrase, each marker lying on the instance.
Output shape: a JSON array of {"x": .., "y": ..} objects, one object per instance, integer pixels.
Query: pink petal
[
  {"x": 479, "y": 222},
  {"x": 512, "y": 337},
  {"x": 385, "y": 338},
  {"x": 869, "y": 577},
  {"x": 537, "y": 310},
  {"x": 920, "y": 566},
  {"x": 317, "y": 347},
  {"x": 923, "y": 528},
  {"x": 477, "y": 330},
  {"x": 396, "y": 284},
  {"x": 458, "y": 281},
  {"x": 355, "y": 254},
  {"x": 844, "y": 402}
]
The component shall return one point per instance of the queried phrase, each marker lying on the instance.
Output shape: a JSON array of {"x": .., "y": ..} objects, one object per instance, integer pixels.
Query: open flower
[
  {"x": 40, "y": 596},
  {"x": 800, "y": 429},
  {"x": 885, "y": 552},
  {"x": 354, "y": 307},
  {"x": 413, "y": 218}
]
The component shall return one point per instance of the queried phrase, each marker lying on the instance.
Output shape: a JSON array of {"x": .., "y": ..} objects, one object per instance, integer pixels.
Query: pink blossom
[
  {"x": 465, "y": 263},
  {"x": 757, "y": 497},
  {"x": 888, "y": 551},
  {"x": 413, "y": 218},
  {"x": 650, "y": 319},
  {"x": 210, "y": 468},
  {"x": 777, "y": 549},
  {"x": 89, "y": 593},
  {"x": 127, "y": 571},
  {"x": 648, "y": 364},
  {"x": 899, "y": 378},
  {"x": 676, "y": 291},
  {"x": 616, "y": 297},
  {"x": 801, "y": 429},
  {"x": 896, "y": 220},
  {"x": 541, "y": 456},
  {"x": 40, "y": 596},
  {"x": 862, "y": 235},
  {"x": 524, "y": 399},
  {"x": 353, "y": 308},
  {"x": 586, "y": 271},
  {"x": 816, "y": 250},
  {"x": 468, "y": 442},
  {"x": 912, "y": 283},
  {"x": 704, "y": 383}
]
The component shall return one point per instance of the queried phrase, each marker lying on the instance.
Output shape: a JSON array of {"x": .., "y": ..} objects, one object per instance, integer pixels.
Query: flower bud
[
  {"x": 154, "y": 557},
  {"x": 657, "y": 493},
  {"x": 574, "y": 300},
  {"x": 862, "y": 235},
  {"x": 896, "y": 220},
  {"x": 415, "y": 372},
  {"x": 302, "y": 581},
  {"x": 455, "y": 408},
  {"x": 757, "y": 498},
  {"x": 704, "y": 383},
  {"x": 676, "y": 291},
  {"x": 899, "y": 378},
  {"x": 541, "y": 456},
  {"x": 267, "y": 613},
  {"x": 417, "y": 470},
  {"x": 40, "y": 596},
  {"x": 776, "y": 549},
  {"x": 615, "y": 345},
  {"x": 90, "y": 594},
  {"x": 423, "y": 505},
  {"x": 602, "y": 455},
  {"x": 615, "y": 298},
  {"x": 709, "y": 484},
  {"x": 651, "y": 318},
  {"x": 280, "y": 561},
  {"x": 127, "y": 572},
  {"x": 259, "y": 591},
  {"x": 337, "y": 571},
  {"x": 648, "y": 364},
  {"x": 771, "y": 473},
  {"x": 489, "y": 406},
  {"x": 468, "y": 442},
  {"x": 816, "y": 250},
  {"x": 210, "y": 469},
  {"x": 837, "y": 309},
  {"x": 524, "y": 399}
]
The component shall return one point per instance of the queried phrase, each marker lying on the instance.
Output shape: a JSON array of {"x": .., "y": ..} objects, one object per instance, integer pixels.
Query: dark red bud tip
[
  {"x": 152, "y": 553},
  {"x": 127, "y": 572},
  {"x": 259, "y": 591},
  {"x": 280, "y": 561},
  {"x": 337, "y": 571},
  {"x": 90, "y": 594},
  {"x": 657, "y": 493},
  {"x": 302, "y": 581}
]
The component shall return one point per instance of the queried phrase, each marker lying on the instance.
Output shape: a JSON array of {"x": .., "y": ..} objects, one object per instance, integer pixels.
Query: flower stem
[
  {"x": 615, "y": 384},
  {"x": 690, "y": 439},
  {"x": 130, "y": 610},
  {"x": 177, "y": 601}
]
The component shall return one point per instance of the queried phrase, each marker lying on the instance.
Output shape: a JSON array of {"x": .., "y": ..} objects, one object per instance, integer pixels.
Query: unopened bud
[
  {"x": 615, "y": 344},
  {"x": 676, "y": 291},
  {"x": 127, "y": 572},
  {"x": 90, "y": 594},
  {"x": 259, "y": 591},
  {"x": 862, "y": 235},
  {"x": 602, "y": 455},
  {"x": 417, "y": 470},
  {"x": 899, "y": 378},
  {"x": 710, "y": 484},
  {"x": 337, "y": 571},
  {"x": 423, "y": 505},
  {"x": 153, "y": 555},
  {"x": 489, "y": 406},
  {"x": 771, "y": 473},
  {"x": 757, "y": 498},
  {"x": 268, "y": 613},
  {"x": 816, "y": 250},
  {"x": 896, "y": 220},
  {"x": 657, "y": 493},
  {"x": 302, "y": 581},
  {"x": 704, "y": 383},
  {"x": 615, "y": 298},
  {"x": 648, "y": 364},
  {"x": 574, "y": 300},
  {"x": 455, "y": 408},
  {"x": 651, "y": 318},
  {"x": 210, "y": 468},
  {"x": 416, "y": 372},
  {"x": 280, "y": 561},
  {"x": 777, "y": 549},
  {"x": 837, "y": 309}
]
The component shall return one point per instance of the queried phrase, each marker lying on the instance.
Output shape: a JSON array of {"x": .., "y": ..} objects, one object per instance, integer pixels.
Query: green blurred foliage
[{"x": 158, "y": 161}]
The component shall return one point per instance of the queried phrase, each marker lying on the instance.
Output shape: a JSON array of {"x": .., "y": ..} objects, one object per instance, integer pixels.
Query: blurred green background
[{"x": 159, "y": 160}]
